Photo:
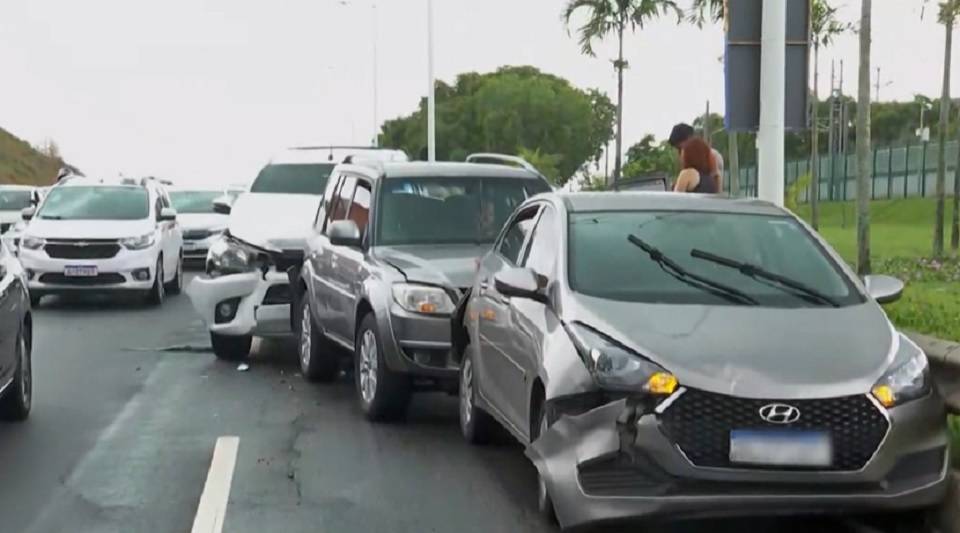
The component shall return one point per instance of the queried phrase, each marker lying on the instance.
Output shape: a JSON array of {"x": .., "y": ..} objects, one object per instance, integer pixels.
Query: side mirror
[
  {"x": 167, "y": 214},
  {"x": 519, "y": 283},
  {"x": 344, "y": 233},
  {"x": 223, "y": 205},
  {"x": 884, "y": 289},
  {"x": 28, "y": 212}
]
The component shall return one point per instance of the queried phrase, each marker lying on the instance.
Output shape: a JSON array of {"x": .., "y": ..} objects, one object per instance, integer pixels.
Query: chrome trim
[
  {"x": 664, "y": 405},
  {"x": 426, "y": 345}
]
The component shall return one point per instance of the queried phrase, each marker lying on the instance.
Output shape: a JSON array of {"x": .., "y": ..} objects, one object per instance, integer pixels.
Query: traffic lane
[{"x": 87, "y": 365}]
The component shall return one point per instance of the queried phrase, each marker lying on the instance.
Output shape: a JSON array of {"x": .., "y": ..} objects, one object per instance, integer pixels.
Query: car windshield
[
  {"x": 293, "y": 179},
  {"x": 449, "y": 210},
  {"x": 14, "y": 200},
  {"x": 605, "y": 264},
  {"x": 194, "y": 201},
  {"x": 96, "y": 203}
]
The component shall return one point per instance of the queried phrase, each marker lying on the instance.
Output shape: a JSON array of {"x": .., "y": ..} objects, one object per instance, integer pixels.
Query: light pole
[
  {"x": 773, "y": 85},
  {"x": 431, "y": 90}
]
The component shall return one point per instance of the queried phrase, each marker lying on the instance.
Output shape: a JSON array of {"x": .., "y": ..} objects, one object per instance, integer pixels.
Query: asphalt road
[{"x": 129, "y": 406}]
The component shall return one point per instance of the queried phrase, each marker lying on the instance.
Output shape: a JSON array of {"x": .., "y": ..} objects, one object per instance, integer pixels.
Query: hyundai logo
[{"x": 779, "y": 413}]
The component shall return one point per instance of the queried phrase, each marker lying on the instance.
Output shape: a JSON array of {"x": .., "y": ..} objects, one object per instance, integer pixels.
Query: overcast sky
[{"x": 206, "y": 90}]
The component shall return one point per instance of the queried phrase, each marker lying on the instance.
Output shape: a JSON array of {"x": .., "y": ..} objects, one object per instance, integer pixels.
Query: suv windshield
[
  {"x": 449, "y": 210},
  {"x": 194, "y": 201},
  {"x": 293, "y": 179},
  {"x": 14, "y": 200},
  {"x": 605, "y": 264},
  {"x": 96, "y": 203}
]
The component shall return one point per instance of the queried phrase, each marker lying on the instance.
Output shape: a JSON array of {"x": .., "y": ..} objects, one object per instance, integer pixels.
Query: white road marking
[{"x": 216, "y": 492}]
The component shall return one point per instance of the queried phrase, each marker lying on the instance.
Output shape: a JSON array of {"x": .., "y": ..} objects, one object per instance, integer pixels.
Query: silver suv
[{"x": 393, "y": 248}]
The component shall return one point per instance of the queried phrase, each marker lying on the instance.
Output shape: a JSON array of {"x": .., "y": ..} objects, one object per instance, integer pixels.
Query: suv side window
[
  {"x": 512, "y": 240},
  {"x": 329, "y": 194},
  {"x": 360, "y": 207},
  {"x": 541, "y": 254}
]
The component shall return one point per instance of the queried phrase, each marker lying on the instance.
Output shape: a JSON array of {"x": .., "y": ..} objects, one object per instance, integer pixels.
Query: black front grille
[
  {"x": 100, "y": 279},
  {"x": 700, "y": 424},
  {"x": 82, "y": 249},
  {"x": 196, "y": 234},
  {"x": 277, "y": 295},
  {"x": 288, "y": 259}
]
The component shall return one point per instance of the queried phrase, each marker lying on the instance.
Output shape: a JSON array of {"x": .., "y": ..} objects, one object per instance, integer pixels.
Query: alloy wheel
[
  {"x": 159, "y": 282},
  {"x": 26, "y": 374},
  {"x": 368, "y": 366},
  {"x": 466, "y": 393},
  {"x": 306, "y": 333}
]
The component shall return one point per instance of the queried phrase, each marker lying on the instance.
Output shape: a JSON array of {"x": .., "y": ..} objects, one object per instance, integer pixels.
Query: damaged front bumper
[{"x": 616, "y": 463}]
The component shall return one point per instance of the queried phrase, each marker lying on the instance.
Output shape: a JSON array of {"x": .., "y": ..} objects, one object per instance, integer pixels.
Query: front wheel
[
  {"x": 176, "y": 285},
  {"x": 384, "y": 394},
  {"x": 476, "y": 425},
  {"x": 156, "y": 293},
  {"x": 15, "y": 404},
  {"x": 229, "y": 347},
  {"x": 544, "y": 501},
  {"x": 318, "y": 361}
]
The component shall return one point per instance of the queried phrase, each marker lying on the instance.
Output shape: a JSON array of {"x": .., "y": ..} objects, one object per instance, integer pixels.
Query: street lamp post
[{"x": 431, "y": 90}]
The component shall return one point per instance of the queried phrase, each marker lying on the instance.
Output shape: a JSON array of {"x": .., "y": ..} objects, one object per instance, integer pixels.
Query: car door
[
  {"x": 337, "y": 269},
  {"x": 321, "y": 253},
  {"x": 351, "y": 265},
  {"x": 500, "y": 372},
  {"x": 10, "y": 302}
]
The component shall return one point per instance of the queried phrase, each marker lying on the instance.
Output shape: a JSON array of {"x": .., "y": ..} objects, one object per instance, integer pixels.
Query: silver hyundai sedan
[{"x": 668, "y": 355}]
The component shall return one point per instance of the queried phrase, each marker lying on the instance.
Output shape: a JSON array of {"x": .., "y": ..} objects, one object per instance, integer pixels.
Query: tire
[
  {"x": 35, "y": 300},
  {"x": 16, "y": 402},
  {"x": 318, "y": 361},
  {"x": 230, "y": 348},
  {"x": 476, "y": 425},
  {"x": 384, "y": 397},
  {"x": 176, "y": 285},
  {"x": 544, "y": 502},
  {"x": 156, "y": 293}
]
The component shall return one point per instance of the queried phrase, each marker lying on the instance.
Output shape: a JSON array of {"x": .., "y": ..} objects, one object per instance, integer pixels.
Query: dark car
[
  {"x": 394, "y": 247},
  {"x": 664, "y": 354},
  {"x": 16, "y": 340}
]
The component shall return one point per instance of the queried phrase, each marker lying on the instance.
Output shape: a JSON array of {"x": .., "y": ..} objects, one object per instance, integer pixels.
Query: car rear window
[
  {"x": 293, "y": 179},
  {"x": 14, "y": 200}
]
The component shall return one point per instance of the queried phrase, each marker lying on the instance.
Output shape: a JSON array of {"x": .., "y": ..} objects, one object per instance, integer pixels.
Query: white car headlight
[
  {"x": 138, "y": 243},
  {"x": 423, "y": 299},
  {"x": 32, "y": 243},
  {"x": 228, "y": 256},
  {"x": 905, "y": 380}
]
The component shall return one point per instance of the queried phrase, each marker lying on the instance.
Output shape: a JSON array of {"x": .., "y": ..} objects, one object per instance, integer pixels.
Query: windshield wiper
[
  {"x": 681, "y": 274},
  {"x": 51, "y": 217},
  {"x": 771, "y": 278}
]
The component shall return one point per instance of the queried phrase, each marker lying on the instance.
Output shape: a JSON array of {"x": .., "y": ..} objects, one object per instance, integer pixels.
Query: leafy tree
[
  {"x": 606, "y": 17},
  {"x": 512, "y": 109},
  {"x": 649, "y": 156},
  {"x": 864, "y": 167}
]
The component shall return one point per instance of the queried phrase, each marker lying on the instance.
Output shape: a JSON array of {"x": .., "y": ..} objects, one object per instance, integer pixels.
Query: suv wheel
[
  {"x": 476, "y": 425},
  {"x": 318, "y": 361},
  {"x": 156, "y": 293},
  {"x": 229, "y": 347},
  {"x": 383, "y": 394},
  {"x": 176, "y": 285},
  {"x": 15, "y": 404}
]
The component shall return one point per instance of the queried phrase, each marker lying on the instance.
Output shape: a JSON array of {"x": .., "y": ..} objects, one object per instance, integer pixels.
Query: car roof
[
  {"x": 307, "y": 155},
  {"x": 78, "y": 181},
  {"x": 423, "y": 169},
  {"x": 663, "y": 201}
]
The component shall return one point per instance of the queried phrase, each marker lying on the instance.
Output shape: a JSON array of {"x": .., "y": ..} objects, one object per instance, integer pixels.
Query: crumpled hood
[
  {"x": 449, "y": 265},
  {"x": 89, "y": 229},
  {"x": 202, "y": 221},
  {"x": 755, "y": 352},
  {"x": 273, "y": 221}
]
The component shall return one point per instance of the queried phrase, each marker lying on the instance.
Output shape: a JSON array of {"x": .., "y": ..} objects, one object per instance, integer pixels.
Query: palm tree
[
  {"x": 824, "y": 27},
  {"x": 947, "y": 16},
  {"x": 616, "y": 17},
  {"x": 864, "y": 167}
]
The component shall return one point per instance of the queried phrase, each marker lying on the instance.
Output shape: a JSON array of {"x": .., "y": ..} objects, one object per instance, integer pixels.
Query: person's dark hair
[
  {"x": 680, "y": 134},
  {"x": 697, "y": 155}
]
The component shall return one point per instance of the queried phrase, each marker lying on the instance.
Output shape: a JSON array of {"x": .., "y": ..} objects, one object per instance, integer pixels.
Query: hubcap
[
  {"x": 542, "y": 498},
  {"x": 180, "y": 274},
  {"x": 160, "y": 280},
  {"x": 466, "y": 393},
  {"x": 306, "y": 332},
  {"x": 26, "y": 383},
  {"x": 368, "y": 366}
]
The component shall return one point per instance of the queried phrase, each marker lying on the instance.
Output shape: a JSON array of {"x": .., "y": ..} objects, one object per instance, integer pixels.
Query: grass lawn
[{"x": 901, "y": 239}]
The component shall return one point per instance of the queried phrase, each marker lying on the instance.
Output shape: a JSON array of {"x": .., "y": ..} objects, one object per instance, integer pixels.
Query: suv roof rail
[
  {"x": 369, "y": 162},
  {"x": 503, "y": 159}
]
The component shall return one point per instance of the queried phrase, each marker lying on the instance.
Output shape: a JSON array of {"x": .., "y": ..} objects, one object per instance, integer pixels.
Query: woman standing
[{"x": 699, "y": 174}]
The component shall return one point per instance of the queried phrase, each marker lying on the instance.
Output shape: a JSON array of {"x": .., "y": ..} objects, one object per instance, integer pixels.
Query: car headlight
[
  {"x": 423, "y": 299},
  {"x": 228, "y": 256},
  {"x": 138, "y": 243},
  {"x": 905, "y": 381},
  {"x": 614, "y": 367},
  {"x": 32, "y": 243}
]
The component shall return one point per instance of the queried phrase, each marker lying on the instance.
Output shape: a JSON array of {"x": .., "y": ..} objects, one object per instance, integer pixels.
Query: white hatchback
[{"x": 105, "y": 237}]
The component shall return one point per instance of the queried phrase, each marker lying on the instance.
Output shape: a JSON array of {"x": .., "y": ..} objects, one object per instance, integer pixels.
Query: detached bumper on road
[
  {"x": 607, "y": 465},
  {"x": 262, "y": 305}
]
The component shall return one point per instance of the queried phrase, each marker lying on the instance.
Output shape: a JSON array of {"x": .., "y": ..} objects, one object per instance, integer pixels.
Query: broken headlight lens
[
  {"x": 615, "y": 367},
  {"x": 229, "y": 256}
]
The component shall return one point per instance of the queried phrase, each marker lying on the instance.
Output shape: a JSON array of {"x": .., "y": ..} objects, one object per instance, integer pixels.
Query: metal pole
[
  {"x": 873, "y": 176},
  {"x": 773, "y": 52},
  {"x": 376, "y": 79},
  {"x": 923, "y": 171},
  {"x": 906, "y": 172},
  {"x": 431, "y": 94},
  {"x": 889, "y": 172},
  {"x": 831, "y": 131}
]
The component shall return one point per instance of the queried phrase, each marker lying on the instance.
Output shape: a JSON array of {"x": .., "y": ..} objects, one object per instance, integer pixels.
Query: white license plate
[
  {"x": 75, "y": 271},
  {"x": 189, "y": 246},
  {"x": 805, "y": 449}
]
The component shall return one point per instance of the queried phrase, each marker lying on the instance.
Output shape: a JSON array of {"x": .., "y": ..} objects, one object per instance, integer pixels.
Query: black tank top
[{"x": 707, "y": 184}]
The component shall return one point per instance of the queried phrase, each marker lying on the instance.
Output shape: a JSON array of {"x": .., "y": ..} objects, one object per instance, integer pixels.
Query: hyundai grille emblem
[{"x": 779, "y": 413}]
